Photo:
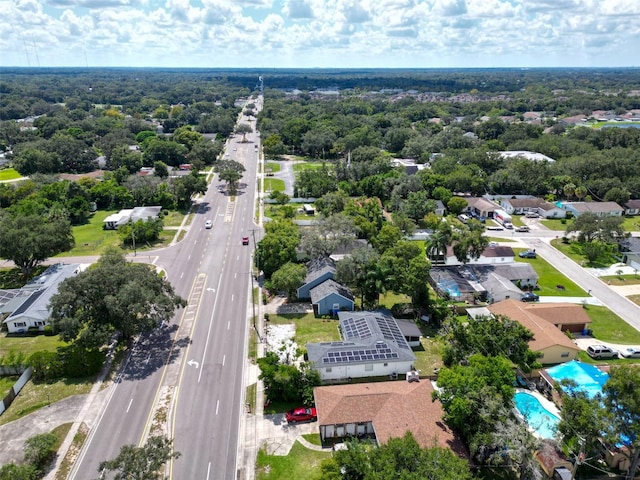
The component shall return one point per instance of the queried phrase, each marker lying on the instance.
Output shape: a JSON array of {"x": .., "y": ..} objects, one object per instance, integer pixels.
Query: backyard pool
[
  {"x": 542, "y": 421},
  {"x": 587, "y": 377}
]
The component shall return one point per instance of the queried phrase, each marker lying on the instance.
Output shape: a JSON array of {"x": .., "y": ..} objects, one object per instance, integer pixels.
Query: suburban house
[
  {"x": 384, "y": 410},
  {"x": 602, "y": 209},
  {"x": 28, "y": 308},
  {"x": 523, "y": 204},
  {"x": 372, "y": 345},
  {"x": 410, "y": 166},
  {"x": 330, "y": 297},
  {"x": 547, "y": 326},
  {"x": 630, "y": 249},
  {"x": 632, "y": 207},
  {"x": 131, "y": 215},
  {"x": 492, "y": 283},
  {"x": 480, "y": 206},
  {"x": 495, "y": 254},
  {"x": 318, "y": 270}
]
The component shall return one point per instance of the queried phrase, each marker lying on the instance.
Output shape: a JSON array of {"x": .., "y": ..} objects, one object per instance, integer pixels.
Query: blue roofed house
[
  {"x": 28, "y": 307},
  {"x": 318, "y": 271},
  {"x": 372, "y": 345},
  {"x": 330, "y": 297}
]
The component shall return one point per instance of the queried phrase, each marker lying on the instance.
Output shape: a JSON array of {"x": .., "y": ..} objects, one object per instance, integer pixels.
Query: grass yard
[
  {"x": 429, "y": 355},
  {"x": 35, "y": 396},
  {"x": 308, "y": 328},
  {"x": 301, "y": 463},
  {"x": 272, "y": 167},
  {"x": 273, "y": 185},
  {"x": 631, "y": 224},
  {"x": 308, "y": 165},
  {"x": 174, "y": 219},
  {"x": 9, "y": 174},
  {"x": 28, "y": 345},
  {"x": 556, "y": 224},
  {"x": 91, "y": 238},
  {"x": 6, "y": 383},
  {"x": 549, "y": 277},
  {"x": 620, "y": 280},
  {"x": 608, "y": 327},
  {"x": 573, "y": 250}
]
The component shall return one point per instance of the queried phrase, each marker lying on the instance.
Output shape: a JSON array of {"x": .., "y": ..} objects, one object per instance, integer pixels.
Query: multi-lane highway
[{"x": 186, "y": 379}]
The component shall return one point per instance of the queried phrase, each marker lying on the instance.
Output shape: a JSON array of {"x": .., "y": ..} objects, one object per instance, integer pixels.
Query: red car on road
[
  {"x": 302, "y": 414},
  {"x": 245, "y": 240}
]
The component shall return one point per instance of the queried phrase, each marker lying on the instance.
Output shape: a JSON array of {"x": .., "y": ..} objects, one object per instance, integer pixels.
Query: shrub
[
  {"x": 39, "y": 450},
  {"x": 81, "y": 362},
  {"x": 47, "y": 366},
  {"x": 48, "y": 331}
]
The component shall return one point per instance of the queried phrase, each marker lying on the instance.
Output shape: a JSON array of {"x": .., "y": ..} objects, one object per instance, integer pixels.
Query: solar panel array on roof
[
  {"x": 391, "y": 331},
  {"x": 356, "y": 328},
  {"x": 32, "y": 298},
  {"x": 381, "y": 352}
]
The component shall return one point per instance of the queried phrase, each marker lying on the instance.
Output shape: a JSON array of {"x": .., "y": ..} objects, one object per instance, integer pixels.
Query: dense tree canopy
[
  {"x": 30, "y": 239},
  {"x": 113, "y": 295}
]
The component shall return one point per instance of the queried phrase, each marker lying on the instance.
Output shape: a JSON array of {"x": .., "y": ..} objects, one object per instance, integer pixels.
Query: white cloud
[{"x": 410, "y": 33}]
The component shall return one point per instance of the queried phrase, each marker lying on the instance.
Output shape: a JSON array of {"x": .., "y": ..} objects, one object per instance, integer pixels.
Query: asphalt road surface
[{"x": 190, "y": 371}]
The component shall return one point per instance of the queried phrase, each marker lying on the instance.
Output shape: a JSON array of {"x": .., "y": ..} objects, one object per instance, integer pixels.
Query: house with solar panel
[
  {"x": 28, "y": 307},
  {"x": 372, "y": 345}
]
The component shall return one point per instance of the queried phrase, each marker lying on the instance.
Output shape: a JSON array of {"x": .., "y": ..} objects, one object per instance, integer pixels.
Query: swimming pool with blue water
[{"x": 542, "y": 421}]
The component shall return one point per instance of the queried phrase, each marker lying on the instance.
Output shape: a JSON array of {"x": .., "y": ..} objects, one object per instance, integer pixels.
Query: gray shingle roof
[
  {"x": 318, "y": 267},
  {"x": 328, "y": 287},
  {"x": 368, "y": 337}
]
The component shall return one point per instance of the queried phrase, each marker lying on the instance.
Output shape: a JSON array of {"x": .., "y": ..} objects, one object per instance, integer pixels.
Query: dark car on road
[
  {"x": 530, "y": 297},
  {"x": 302, "y": 414}
]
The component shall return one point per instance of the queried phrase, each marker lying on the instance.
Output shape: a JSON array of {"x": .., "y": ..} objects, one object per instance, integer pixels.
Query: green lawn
[
  {"x": 300, "y": 464},
  {"x": 9, "y": 174},
  {"x": 621, "y": 280},
  {"x": 6, "y": 383},
  {"x": 28, "y": 345},
  {"x": 275, "y": 211},
  {"x": 273, "y": 166},
  {"x": 174, "y": 219},
  {"x": 93, "y": 239},
  {"x": 608, "y": 327},
  {"x": 549, "y": 277},
  {"x": 33, "y": 397},
  {"x": 308, "y": 165},
  {"x": 573, "y": 250},
  {"x": 308, "y": 328},
  {"x": 631, "y": 224},
  {"x": 273, "y": 184},
  {"x": 429, "y": 355},
  {"x": 556, "y": 224}
]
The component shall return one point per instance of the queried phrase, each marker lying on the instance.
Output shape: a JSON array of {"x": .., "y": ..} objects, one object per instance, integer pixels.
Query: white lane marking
[
  {"x": 217, "y": 406},
  {"x": 189, "y": 257},
  {"x": 182, "y": 275},
  {"x": 208, "y": 470},
  {"x": 224, "y": 357},
  {"x": 129, "y": 407},
  {"x": 206, "y": 344},
  {"x": 236, "y": 275},
  {"x": 228, "y": 324},
  {"x": 238, "y": 257}
]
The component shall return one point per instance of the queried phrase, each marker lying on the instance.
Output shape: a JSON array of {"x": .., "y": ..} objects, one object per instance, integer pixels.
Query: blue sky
[{"x": 320, "y": 33}]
